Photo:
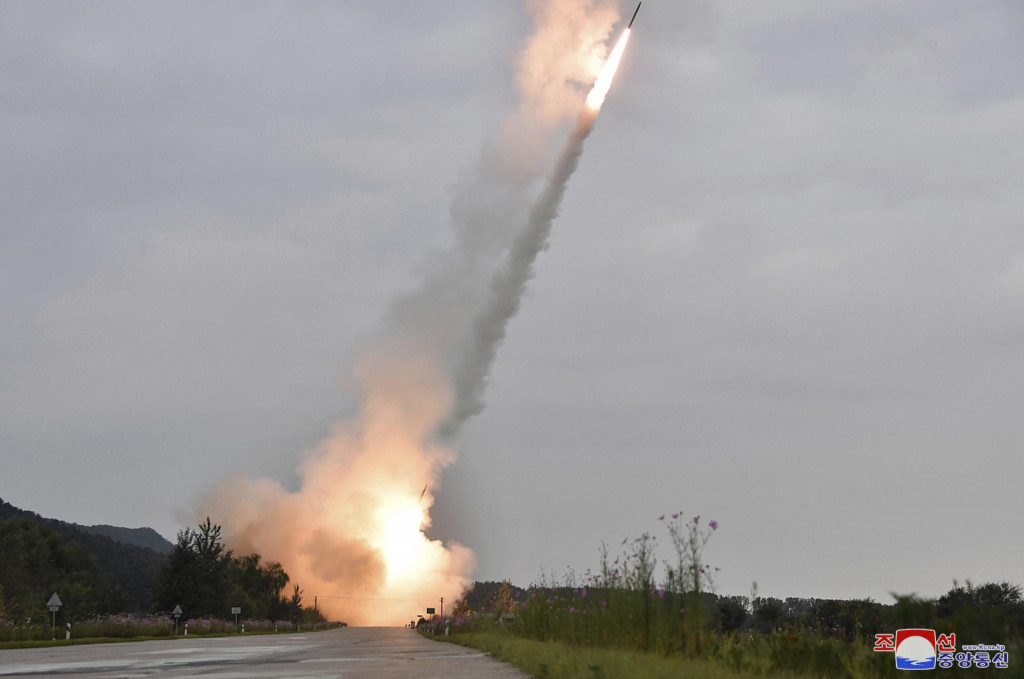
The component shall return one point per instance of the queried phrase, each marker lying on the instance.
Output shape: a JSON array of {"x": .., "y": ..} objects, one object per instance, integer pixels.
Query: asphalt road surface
[{"x": 357, "y": 653}]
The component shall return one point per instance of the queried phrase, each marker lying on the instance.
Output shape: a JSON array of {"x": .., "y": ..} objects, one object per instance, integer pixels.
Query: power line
[{"x": 374, "y": 598}]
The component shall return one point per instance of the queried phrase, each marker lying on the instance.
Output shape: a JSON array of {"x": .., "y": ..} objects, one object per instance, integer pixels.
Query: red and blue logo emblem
[{"x": 915, "y": 649}]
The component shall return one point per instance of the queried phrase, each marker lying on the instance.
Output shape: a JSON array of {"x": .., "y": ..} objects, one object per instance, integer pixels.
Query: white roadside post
[
  {"x": 177, "y": 614},
  {"x": 54, "y": 605}
]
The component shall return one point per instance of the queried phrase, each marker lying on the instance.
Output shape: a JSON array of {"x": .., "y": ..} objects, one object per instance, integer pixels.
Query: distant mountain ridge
[{"x": 140, "y": 537}]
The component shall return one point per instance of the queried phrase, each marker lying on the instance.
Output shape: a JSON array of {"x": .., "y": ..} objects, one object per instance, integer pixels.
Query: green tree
[
  {"x": 196, "y": 575},
  {"x": 768, "y": 615},
  {"x": 989, "y": 611},
  {"x": 35, "y": 562},
  {"x": 258, "y": 587},
  {"x": 732, "y": 613},
  {"x": 504, "y": 600}
]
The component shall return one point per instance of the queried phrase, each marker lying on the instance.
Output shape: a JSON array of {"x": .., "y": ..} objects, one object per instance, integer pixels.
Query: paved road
[{"x": 357, "y": 653}]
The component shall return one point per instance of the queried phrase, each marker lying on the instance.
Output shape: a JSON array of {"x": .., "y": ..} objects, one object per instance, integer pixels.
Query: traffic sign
[{"x": 54, "y": 605}]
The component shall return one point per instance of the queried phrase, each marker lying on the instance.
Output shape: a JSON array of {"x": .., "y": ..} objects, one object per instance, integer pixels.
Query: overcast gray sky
[{"x": 785, "y": 290}]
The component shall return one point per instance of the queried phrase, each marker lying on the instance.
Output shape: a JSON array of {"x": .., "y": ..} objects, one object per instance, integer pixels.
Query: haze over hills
[{"x": 140, "y": 537}]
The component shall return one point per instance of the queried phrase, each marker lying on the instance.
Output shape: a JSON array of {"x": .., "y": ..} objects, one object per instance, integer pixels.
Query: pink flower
[{"x": 713, "y": 524}]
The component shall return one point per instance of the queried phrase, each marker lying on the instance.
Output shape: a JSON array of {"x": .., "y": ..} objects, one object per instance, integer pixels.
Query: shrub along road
[{"x": 366, "y": 652}]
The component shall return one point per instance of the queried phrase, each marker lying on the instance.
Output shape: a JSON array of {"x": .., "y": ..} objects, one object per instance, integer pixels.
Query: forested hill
[
  {"x": 124, "y": 573},
  {"x": 140, "y": 537}
]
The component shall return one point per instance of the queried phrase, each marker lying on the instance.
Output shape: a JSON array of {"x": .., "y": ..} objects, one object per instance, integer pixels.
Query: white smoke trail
[
  {"x": 354, "y": 532},
  {"x": 509, "y": 283}
]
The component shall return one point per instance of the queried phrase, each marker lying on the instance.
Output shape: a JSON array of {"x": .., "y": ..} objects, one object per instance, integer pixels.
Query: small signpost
[
  {"x": 236, "y": 611},
  {"x": 430, "y": 611},
  {"x": 54, "y": 605},
  {"x": 177, "y": 614}
]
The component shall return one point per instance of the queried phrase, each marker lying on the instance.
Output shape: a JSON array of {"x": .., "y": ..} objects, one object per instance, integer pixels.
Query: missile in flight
[{"x": 634, "y": 14}]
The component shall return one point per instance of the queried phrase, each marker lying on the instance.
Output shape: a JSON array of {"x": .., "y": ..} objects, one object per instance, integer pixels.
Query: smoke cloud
[{"x": 354, "y": 531}]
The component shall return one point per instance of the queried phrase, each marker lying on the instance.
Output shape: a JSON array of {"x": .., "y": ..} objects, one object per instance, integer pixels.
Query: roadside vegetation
[{"x": 639, "y": 616}]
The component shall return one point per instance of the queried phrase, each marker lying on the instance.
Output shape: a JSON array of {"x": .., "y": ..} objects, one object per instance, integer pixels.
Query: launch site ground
[{"x": 366, "y": 653}]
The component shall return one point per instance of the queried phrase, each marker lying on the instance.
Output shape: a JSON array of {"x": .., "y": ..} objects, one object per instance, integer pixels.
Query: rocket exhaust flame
[
  {"x": 354, "y": 532},
  {"x": 604, "y": 81}
]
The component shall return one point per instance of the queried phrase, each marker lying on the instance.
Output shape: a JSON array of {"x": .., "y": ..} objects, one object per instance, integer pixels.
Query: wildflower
[
  {"x": 661, "y": 593},
  {"x": 661, "y": 518},
  {"x": 676, "y": 515},
  {"x": 713, "y": 524},
  {"x": 583, "y": 593},
  {"x": 604, "y": 604},
  {"x": 572, "y": 609}
]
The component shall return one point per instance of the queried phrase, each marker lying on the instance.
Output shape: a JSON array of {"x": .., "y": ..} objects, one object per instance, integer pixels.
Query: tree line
[
  {"x": 98, "y": 576},
  {"x": 206, "y": 579},
  {"x": 990, "y": 611}
]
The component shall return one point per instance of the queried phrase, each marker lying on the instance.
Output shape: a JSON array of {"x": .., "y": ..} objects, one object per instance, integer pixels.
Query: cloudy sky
[{"x": 785, "y": 290}]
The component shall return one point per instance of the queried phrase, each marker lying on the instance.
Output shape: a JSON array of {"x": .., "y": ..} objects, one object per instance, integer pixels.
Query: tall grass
[{"x": 633, "y": 606}]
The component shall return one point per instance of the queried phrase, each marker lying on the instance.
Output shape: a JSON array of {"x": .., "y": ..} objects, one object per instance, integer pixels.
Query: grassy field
[
  {"x": 639, "y": 616},
  {"x": 561, "y": 660}
]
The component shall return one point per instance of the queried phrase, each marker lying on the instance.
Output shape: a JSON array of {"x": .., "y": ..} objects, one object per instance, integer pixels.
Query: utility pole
[
  {"x": 314, "y": 603},
  {"x": 442, "y": 608}
]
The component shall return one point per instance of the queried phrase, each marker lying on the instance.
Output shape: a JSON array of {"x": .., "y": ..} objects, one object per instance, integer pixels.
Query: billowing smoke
[{"x": 354, "y": 532}]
